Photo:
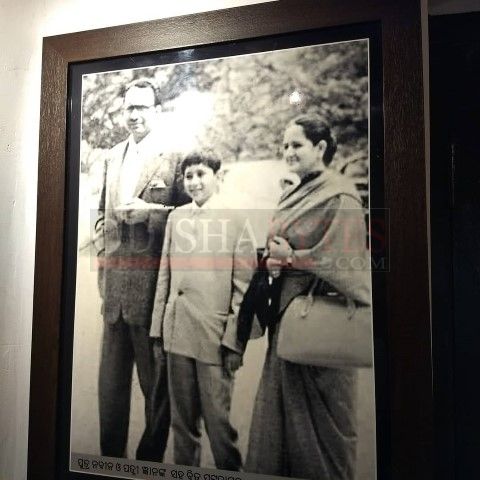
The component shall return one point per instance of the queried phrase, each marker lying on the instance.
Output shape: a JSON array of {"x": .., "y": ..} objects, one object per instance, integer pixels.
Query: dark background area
[{"x": 455, "y": 222}]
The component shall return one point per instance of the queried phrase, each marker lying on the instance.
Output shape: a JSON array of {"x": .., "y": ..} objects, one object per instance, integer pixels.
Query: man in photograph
[{"x": 140, "y": 187}]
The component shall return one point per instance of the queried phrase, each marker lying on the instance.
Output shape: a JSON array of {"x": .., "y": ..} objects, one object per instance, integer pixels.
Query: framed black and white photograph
[
  {"x": 238, "y": 110},
  {"x": 232, "y": 248}
]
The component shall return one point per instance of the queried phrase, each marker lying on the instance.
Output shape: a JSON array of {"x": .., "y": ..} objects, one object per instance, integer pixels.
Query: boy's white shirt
[{"x": 210, "y": 204}]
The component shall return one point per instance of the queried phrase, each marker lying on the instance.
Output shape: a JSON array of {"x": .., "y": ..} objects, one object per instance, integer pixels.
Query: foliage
[{"x": 251, "y": 99}]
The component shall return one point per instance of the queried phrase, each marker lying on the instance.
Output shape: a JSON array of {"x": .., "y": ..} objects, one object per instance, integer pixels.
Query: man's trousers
[{"x": 123, "y": 345}]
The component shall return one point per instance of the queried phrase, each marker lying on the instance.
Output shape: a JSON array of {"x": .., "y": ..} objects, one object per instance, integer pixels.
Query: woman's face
[{"x": 301, "y": 156}]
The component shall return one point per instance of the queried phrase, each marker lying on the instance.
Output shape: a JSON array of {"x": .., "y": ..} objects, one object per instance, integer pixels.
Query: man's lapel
[
  {"x": 151, "y": 165},
  {"x": 115, "y": 171}
]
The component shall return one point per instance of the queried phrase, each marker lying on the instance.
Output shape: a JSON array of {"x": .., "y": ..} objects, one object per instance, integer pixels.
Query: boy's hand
[
  {"x": 158, "y": 350},
  {"x": 232, "y": 361}
]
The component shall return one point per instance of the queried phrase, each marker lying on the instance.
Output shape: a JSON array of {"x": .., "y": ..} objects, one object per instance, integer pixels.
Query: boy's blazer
[{"x": 207, "y": 262}]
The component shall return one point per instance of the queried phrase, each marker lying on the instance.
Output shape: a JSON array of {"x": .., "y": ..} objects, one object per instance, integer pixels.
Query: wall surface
[
  {"x": 446, "y": 7},
  {"x": 23, "y": 23}
]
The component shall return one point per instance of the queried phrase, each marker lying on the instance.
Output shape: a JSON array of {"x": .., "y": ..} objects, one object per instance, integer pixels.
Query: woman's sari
[{"x": 304, "y": 419}]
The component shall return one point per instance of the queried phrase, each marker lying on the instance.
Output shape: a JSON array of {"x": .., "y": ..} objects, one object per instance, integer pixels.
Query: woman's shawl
[{"x": 324, "y": 223}]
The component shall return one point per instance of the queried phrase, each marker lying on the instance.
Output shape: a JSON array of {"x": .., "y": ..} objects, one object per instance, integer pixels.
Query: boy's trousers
[{"x": 199, "y": 390}]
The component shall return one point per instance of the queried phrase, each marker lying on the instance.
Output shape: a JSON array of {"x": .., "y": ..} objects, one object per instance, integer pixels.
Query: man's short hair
[
  {"x": 143, "y": 83},
  {"x": 207, "y": 158}
]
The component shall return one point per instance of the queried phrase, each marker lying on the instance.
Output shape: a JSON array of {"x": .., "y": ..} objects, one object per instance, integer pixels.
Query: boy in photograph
[{"x": 207, "y": 263}]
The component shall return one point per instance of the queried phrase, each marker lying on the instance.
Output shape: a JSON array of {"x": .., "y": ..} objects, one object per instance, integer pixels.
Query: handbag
[{"x": 326, "y": 331}]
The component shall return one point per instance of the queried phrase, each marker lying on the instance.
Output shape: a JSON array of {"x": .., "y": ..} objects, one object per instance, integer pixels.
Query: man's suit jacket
[
  {"x": 205, "y": 270},
  {"x": 129, "y": 260}
]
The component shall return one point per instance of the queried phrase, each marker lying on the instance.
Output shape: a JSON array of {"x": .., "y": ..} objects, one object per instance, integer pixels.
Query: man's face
[
  {"x": 139, "y": 111},
  {"x": 200, "y": 182}
]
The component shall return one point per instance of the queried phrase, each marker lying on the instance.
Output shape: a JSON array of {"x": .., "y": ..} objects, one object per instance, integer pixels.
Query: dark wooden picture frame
[{"x": 408, "y": 396}]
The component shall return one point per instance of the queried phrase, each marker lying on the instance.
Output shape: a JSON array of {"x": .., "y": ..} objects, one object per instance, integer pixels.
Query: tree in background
[{"x": 252, "y": 99}]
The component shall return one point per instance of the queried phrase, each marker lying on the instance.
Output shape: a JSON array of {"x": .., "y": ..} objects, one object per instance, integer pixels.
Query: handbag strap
[{"x": 310, "y": 299}]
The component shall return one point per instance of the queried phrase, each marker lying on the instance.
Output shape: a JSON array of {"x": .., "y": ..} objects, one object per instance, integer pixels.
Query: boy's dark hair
[{"x": 209, "y": 159}]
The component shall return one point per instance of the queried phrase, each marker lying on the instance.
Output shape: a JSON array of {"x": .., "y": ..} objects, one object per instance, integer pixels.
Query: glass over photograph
[{"x": 223, "y": 302}]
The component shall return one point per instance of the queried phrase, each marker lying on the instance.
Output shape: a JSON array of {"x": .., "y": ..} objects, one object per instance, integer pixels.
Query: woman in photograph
[{"x": 304, "y": 418}]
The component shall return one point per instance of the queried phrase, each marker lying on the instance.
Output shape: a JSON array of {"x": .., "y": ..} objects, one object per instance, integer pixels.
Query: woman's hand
[
  {"x": 280, "y": 249},
  {"x": 274, "y": 267},
  {"x": 279, "y": 255}
]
